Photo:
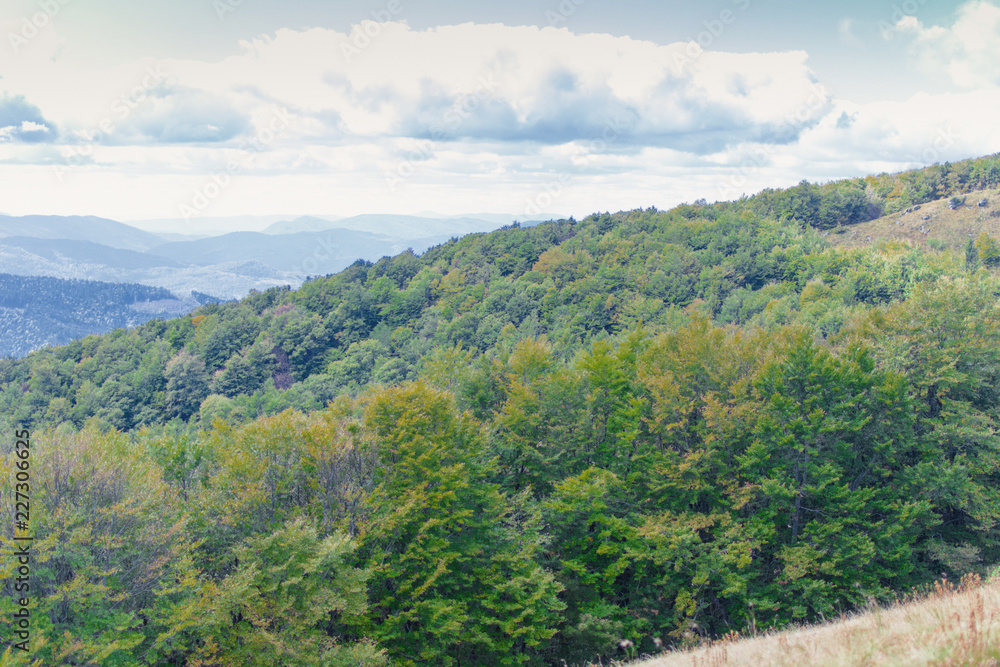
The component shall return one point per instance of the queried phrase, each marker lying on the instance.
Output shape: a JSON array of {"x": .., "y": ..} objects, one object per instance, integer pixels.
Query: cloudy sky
[{"x": 136, "y": 109}]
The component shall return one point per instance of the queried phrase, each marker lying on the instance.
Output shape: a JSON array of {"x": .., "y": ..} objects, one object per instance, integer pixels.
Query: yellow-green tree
[{"x": 454, "y": 576}]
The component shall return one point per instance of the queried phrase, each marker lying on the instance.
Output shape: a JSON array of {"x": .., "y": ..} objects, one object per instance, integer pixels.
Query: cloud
[
  {"x": 22, "y": 121},
  {"x": 557, "y": 88},
  {"x": 893, "y": 136},
  {"x": 478, "y": 83},
  {"x": 471, "y": 117},
  {"x": 968, "y": 51},
  {"x": 518, "y": 84},
  {"x": 189, "y": 117}
]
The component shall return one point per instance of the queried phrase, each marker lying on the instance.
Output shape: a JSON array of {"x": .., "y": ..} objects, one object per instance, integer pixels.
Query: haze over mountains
[
  {"x": 227, "y": 265},
  {"x": 198, "y": 260}
]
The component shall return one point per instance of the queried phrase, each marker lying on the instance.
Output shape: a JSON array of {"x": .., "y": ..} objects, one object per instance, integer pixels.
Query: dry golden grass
[
  {"x": 953, "y": 625},
  {"x": 949, "y": 228}
]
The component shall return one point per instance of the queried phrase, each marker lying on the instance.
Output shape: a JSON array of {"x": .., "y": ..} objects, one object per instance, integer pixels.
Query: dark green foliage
[{"x": 187, "y": 384}]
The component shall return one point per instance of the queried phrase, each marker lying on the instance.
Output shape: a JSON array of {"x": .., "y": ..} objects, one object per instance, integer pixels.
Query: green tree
[
  {"x": 987, "y": 250},
  {"x": 284, "y": 595},
  {"x": 971, "y": 256},
  {"x": 454, "y": 576},
  {"x": 187, "y": 384},
  {"x": 829, "y": 433}
]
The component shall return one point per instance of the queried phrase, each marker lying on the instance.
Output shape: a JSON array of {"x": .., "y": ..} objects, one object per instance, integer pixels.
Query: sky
[{"x": 144, "y": 109}]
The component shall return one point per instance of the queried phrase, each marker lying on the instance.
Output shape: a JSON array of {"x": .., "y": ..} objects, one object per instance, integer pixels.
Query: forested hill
[
  {"x": 38, "y": 311},
  {"x": 541, "y": 445},
  {"x": 570, "y": 281}
]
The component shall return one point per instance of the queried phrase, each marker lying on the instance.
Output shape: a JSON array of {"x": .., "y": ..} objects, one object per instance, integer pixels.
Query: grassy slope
[
  {"x": 953, "y": 228},
  {"x": 951, "y": 626}
]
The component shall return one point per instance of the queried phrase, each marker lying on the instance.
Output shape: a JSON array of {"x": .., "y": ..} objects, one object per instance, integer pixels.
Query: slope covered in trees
[
  {"x": 539, "y": 445},
  {"x": 38, "y": 311}
]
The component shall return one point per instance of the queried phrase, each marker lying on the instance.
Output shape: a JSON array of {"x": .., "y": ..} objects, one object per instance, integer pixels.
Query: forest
[
  {"x": 577, "y": 441},
  {"x": 36, "y": 311}
]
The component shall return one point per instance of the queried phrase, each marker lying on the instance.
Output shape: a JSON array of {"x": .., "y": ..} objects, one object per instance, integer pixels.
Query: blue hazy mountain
[
  {"x": 86, "y": 252},
  {"x": 310, "y": 252},
  {"x": 402, "y": 227},
  {"x": 79, "y": 228}
]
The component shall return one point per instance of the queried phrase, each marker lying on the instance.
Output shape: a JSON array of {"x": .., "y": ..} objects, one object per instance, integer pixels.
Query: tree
[
  {"x": 278, "y": 606},
  {"x": 988, "y": 251},
  {"x": 106, "y": 533},
  {"x": 829, "y": 432},
  {"x": 945, "y": 340},
  {"x": 454, "y": 575},
  {"x": 187, "y": 384},
  {"x": 245, "y": 372},
  {"x": 971, "y": 256}
]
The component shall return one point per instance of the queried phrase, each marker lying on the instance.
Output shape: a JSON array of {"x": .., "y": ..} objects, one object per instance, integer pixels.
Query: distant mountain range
[
  {"x": 330, "y": 251},
  {"x": 227, "y": 265},
  {"x": 419, "y": 225},
  {"x": 393, "y": 226},
  {"x": 192, "y": 262},
  {"x": 79, "y": 228},
  {"x": 85, "y": 252}
]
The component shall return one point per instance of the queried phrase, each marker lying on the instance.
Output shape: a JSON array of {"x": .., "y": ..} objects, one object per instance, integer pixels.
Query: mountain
[
  {"x": 402, "y": 227},
  {"x": 305, "y": 252},
  {"x": 499, "y": 219},
  {"x": 38, "y": 311},
  {"x": 305, "y": 223},
  {"x": 79, "y": 228},
  {"x": 569, "y": 280},
  {"x": 67, "y": 252},
  {"x": 948, "y": 222},
  {"x": 77, "y": 260},
  {"x": 203, "y": 226},
  {"x": 170, "y": 237}
]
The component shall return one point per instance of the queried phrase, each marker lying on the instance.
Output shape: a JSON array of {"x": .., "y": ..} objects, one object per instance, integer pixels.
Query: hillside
[
  {"x": 35, "y": 312},
  {"x": 936, "y": 224},
  {"x": 952, "y": 625},
  {"x": 546, "y": 445}
]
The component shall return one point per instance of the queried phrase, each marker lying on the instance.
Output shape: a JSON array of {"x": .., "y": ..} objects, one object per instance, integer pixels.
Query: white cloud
[
  {"x": 968, "y": 51},
  {"x": 480, "y": 82},
  {"x": 455, "y": 118}
]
